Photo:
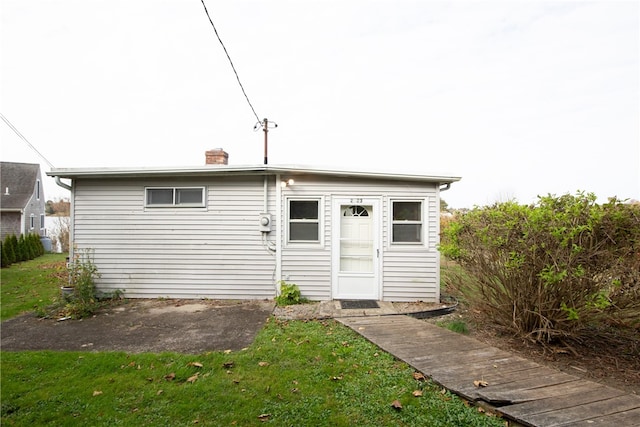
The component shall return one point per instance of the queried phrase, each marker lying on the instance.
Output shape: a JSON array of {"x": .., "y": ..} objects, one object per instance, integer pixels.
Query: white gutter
[{"x": 62, "y": 184}]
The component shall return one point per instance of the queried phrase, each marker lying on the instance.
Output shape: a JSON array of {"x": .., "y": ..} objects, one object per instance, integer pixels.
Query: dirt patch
[{"x": 183, "y": 326}]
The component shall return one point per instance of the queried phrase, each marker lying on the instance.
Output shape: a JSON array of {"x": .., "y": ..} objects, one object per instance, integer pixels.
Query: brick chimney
[{"x": 217, "y": 156}]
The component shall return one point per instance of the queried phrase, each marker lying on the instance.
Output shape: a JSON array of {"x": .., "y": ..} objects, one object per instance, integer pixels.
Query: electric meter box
[{"x": 265, "y": 222}]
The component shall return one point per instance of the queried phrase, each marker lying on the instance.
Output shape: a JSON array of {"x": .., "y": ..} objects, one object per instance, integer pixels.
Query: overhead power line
[
  {"x": 13, "y": 128},
  {"x": 230, "y": 62}
]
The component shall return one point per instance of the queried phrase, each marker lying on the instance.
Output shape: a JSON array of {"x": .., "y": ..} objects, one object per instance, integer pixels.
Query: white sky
[{"x": 519, "y": 98}]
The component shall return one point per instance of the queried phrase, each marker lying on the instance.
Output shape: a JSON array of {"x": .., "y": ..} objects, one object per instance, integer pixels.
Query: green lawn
[
  {"x": 31, "y": 285},
  {"x": 315, "y": 373}
]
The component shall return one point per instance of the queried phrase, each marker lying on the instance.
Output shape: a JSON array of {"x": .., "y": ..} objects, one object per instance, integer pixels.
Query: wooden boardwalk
[{"x": 523, "y": 391}]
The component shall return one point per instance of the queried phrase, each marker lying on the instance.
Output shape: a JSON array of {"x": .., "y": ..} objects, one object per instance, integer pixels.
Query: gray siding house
[
  {"x": 22, "y": 200},
  {"x": 234, "y": 232}
]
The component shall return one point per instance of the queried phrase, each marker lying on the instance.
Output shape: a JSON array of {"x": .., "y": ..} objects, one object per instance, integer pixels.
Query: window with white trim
[
  {"x": 41, "y": 221},
  {"x": 304, "y": 220},
  {"x": 160, "y": 197},
  {"x": 32, "y": 221},
  {"x": 37, "y": 189},
  {"x": 407, "y": 221}
]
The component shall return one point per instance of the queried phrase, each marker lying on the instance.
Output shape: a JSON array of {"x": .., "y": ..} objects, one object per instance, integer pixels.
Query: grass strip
[
  {"x": 296, "y": 373},
  {"x": 31, "y": 285}
]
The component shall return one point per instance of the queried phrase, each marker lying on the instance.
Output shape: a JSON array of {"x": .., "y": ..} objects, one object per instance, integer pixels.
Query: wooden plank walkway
[{"x": 523, "y": 391}]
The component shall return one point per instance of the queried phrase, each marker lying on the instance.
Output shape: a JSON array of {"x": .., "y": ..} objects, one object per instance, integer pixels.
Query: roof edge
[{"x": 72, "y": 173}]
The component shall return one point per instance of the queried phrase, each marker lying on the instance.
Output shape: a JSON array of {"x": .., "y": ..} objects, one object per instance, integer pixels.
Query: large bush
[{"x": 565, "y": 267}]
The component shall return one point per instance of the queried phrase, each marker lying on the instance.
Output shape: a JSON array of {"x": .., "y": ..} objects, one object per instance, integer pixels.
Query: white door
[{"x": 355, "y": 248}]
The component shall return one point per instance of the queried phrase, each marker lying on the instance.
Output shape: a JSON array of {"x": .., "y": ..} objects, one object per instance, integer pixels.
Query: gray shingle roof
[{"x": 20, "y": 179}]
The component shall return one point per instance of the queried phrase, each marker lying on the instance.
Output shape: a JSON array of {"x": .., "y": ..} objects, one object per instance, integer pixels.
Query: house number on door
[{"x": 355, "y": 200}]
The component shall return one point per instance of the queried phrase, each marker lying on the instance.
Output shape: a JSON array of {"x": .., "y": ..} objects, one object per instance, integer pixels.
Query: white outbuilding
[{"x": 235, "y": 232}]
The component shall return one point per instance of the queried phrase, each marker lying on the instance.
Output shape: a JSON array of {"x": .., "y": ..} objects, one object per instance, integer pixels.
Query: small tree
[
  {"x": 22, "y": 254},
  {"x": 5, "y": 258},
  {"x": 10, "y": 246}
]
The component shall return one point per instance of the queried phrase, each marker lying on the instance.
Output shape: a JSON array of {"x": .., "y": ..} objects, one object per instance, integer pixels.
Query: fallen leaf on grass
[
  {"x": 264, "y": 417},
  {"x": 396, "y": 405},
  {"x": 159, "y": 392},
  {"x": 170, "y": 377},
  {"x": 227, "y": 365},
  {"x": 227, "y": 351},
  {"x": 196, "y": 364},
  {"x": 192, "y": 379},
  {"x": 336, "y": 378},
  {"x": 97, "y": 392},
  {"x": 419, "y": 376},
  {"x": 480, "y": 383},
  {"x": 263, "y": 364},
  {"x": 417, "y": 393}
]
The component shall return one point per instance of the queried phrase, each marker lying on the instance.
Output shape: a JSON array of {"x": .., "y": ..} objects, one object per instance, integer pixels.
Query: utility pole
[{"x": 265, "y": 128}]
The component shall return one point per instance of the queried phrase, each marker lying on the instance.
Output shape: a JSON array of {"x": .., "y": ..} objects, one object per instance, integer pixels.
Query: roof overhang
[{"x": 226, "y": 170}]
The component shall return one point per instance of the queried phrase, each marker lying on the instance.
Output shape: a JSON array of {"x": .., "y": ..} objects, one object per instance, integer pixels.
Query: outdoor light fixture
[{"x": 288, "y": 182}]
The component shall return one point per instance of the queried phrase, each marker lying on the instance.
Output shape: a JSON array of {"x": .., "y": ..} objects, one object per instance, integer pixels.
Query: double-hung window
[
  {"x": 304, "y": 220},
  {"x": 174, "y": 197},
  {"x": 407, "y": 221}
]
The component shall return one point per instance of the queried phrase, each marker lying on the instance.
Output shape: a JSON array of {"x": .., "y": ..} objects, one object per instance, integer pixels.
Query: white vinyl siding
[
  {"x": 218, "y": 251},
  {"x": 176, "y": 252},
  {"x": 409, "y": 272}
]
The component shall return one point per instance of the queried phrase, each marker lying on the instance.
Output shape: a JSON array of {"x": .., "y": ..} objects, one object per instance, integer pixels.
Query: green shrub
[
  {"x": 22, "y": 254},
  {"x": 5, "y": 258},
  {"x": 552, "y": 270},
  {"x": 82, "y": 275},
  {"x": 289, "y": 294},
  {"x": 11, "y": 244}
]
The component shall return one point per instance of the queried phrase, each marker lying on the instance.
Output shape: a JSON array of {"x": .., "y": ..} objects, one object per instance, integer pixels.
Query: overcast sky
[{"x": 519, "y": 98}]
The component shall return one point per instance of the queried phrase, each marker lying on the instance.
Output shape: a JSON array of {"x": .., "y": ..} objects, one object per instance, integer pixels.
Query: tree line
[{"x": 17, "y": 249}]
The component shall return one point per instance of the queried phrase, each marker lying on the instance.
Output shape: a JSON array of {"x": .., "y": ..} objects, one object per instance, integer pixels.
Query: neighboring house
[
  {"x": 22, "y": 206},
  {"x": 234, "y": 232}
]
